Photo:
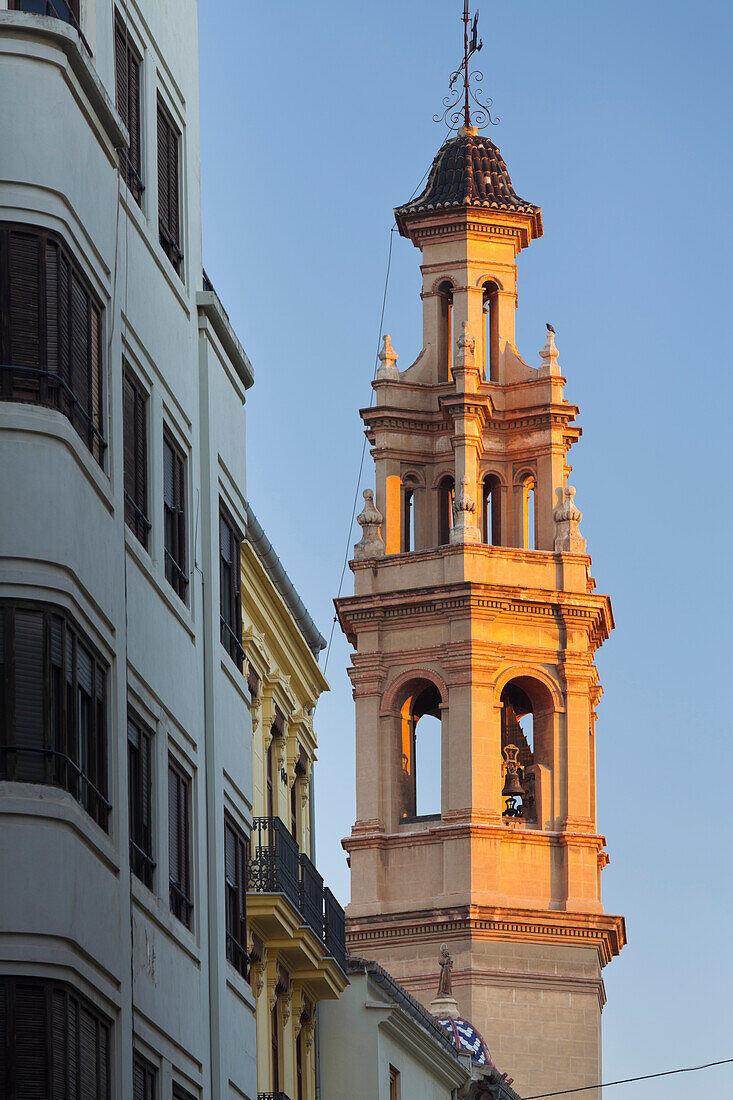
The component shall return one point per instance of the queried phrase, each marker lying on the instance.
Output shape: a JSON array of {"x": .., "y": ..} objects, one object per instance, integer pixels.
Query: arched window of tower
[
  {"x": 527, "y": 724},
  {"x": 409, "y": 513},
  {"x": 491, "y": 331},
  {"x": 445, "y": 331},
  {"x": 420, "y": 753},
  {"x": 446, "y": 495},
  {"x": 491, "y": 510},
  {"x": 528, "y": 513}
]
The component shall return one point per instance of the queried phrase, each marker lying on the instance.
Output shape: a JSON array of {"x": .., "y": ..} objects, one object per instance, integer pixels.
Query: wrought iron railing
[
  {"x": 59, "y": 771},
  {"x": 276, "y": 866},
  {"x": 142, "y": 864},
  {"x": 311, "y": 896},
  {"x": 274, "y": 863},
  {"x": 180, "y": 904},
  {"x": 58, "y": 9},
  {"x": 232, "y": 644},
  {"x": 31, "y": 386},
  {"x": 334, "y": 928}
]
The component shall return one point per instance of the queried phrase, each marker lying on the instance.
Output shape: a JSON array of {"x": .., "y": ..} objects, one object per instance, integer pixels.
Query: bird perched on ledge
[{"x": 549, "y": 327}]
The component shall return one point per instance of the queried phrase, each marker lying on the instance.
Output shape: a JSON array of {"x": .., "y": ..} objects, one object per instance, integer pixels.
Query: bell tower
[{"x": 474, "y": 606}]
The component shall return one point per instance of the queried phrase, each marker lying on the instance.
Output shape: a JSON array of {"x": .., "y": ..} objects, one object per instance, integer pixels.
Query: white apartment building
[{"x": 125, "y": 733}]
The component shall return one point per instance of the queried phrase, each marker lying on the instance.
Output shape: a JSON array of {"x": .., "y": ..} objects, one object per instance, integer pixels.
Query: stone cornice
[{"x": 603, "y": 931}]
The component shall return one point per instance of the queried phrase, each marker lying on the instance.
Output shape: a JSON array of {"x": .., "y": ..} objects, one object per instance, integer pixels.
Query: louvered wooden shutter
[
  {"x": 128, "y": 445},
  {"x": 122, "y": 86},
  {"x": 29, "y": 695},
  {"x": 24, "y": 303},
  {"x": 52, "y": 307},
  {"x": 59, "y": 1043},
  {"x": 134, "y": 116},
  {"x": 88, "y": 1045},
  {"x": 4, "y": 1038},
  {"x": 174, "y": 826},
  {"x": 168, "y": 212},
  {"x": 163, "y": 168},
  {"x": 135, "y": 457},
  {"x": 32, "y": 1076}
]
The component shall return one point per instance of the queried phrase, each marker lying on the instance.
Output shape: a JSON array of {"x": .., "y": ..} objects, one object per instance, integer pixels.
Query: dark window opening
[
  {"x": 230, "y": 600},
  {"x": 529, "y": 513},
  {"x": 445, "y": 332},
  {"x": 517, "y": 733},
  {"x": 140, "y": 787},
  {"x": 421, "y": 749},
  {"x": 169, "y": 140},
  {"x": 135, "y": 448},
  {"x": 53, "y": 727},
  {"x": 179, "y": 844},
  {"x": 174, "y": 511},
  {"x": 275, "y": 1047},
  {"x": 236, "y": 859},
  {"x": 394, "y": 1083},
  {"x": 491, "y": 331},
  {"x": 50, "y": 332},
  {"x": 55, "y": 1043},
  {"x": 408, "y": 520},
  {"x": 127, "y": 87},
  {"x": 491, "y": 510},
  {"x": 446, "y": 497},
  {"x": 299, "y": 1066}
]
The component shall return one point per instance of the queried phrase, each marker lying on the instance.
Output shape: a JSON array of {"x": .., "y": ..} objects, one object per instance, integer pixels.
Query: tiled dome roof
[
  {"x": 466, "y": 1039},
  {"x": 469, "y": 170}
]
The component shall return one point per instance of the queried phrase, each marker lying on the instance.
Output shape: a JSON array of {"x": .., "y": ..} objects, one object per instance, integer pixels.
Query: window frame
[
  {"x": 140, "y": 799},
  {"x": 135, "y": 466},
  {"x": 235, "y": 896},
  {"x": 230, "y": 591},
  {"x": 127, "y": 100},
  {"x": 59, "y": 1005},
  {"x": 149, "y": 1077},
  {"x": 179, "y": 889},
  {"x": 175, "y": 526},
  {"x": 169, "y": 136},
  {"x": 74, "y": 707},
  {"x": 67, "y": 369}
]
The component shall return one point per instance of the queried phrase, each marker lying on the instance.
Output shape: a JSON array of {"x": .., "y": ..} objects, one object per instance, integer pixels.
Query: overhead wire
[
  {"x": 629, "y": 1080},
  {"x": 393, "y": 229}
]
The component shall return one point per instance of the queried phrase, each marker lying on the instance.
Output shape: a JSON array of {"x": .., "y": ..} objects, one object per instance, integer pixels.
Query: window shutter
[
  {"x": 128, "y": 438},
  {"x": 52, "y": 307},
  {"x": 95, "y": 376},
  {"x": 59, "y": 1043},
  {"x": 168, "y": 475},
  {"x": 29, "y": 695},
  {"x": 64, "y": 326},
  {"x": 3, "y": 1039},
  {"x": 24, "y": 300},
  {"x": 145, "y": 790},
  {"x": 122, "y": 86},
  {"x": 230, "y": 856},
  {"x": 31, "y": 1052},
  {"x": 80, "y": 357},
  {"x": 163, "y": 167},
  {"x": 141, "y": 459},
  {"x": 88, "y": 1075},
  {"x": 133, "y": 124},
  {"x": 174, "y": 818}
]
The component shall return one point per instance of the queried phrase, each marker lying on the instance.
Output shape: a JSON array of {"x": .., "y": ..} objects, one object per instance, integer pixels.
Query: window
[
  {"x": 67, "y": 10},
  {"x": 52, "y": 706},
  {"x": 168, "y": 187},
  {"x": 421, "y": 751},
  {"x": 143, "y": 1079},
  {"x": 127, "y": 84},
  {"x": 446, "y": 494},
  {"x": 491, "y": 331},
  {"x": 181, "y": 1094},
  {"x": 174, "y": 506},
  {"x": 528, "y": 515},
  {"x": 56, "y": 1044},
  {"x": 230, "y": 604},
  {"x": 50, "y": 332},
  {"x": 491, "y": 510},
  {"x": 236, "y": 858},
  {"x": 445, "y": 331},
  {"x": 179, "y": 843},
  {"x": 394, "y": 1083},
  {"x": 270, "y": 792},
  {"x": 134, "y": 430},
  {"x": 299, "y": 1066},
  {"x": 408, "y": 520},
  {"x": 275, "y": 1047},
  {"x": 139, "y": 768}
]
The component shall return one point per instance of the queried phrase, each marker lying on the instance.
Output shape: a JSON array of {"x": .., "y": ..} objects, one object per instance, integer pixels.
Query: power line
[{"x": 629, "y": 1080}]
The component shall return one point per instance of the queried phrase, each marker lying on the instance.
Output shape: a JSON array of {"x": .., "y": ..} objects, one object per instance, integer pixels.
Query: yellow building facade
[
  {"x": 474, "y": 606},
  {"x": 295, "y": 926}
]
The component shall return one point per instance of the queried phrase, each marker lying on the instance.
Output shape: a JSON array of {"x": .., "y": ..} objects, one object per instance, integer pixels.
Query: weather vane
[{"x": 463, "y": 84}]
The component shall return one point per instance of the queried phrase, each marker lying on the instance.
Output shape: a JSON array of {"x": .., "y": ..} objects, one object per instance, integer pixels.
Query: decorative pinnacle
[{"x": 387, "y": 360}]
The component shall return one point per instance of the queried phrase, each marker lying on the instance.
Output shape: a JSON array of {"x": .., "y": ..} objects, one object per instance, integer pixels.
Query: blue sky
[{"x": 316, "y": 121}]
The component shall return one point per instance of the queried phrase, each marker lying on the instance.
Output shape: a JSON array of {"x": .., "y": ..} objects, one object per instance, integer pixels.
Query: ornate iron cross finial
[{"x": 463, "y": 84}]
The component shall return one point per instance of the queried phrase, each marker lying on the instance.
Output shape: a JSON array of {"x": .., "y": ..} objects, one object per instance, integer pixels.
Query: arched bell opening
[
  {"x": 445, "y": 331},
  {"x": 409, "y": 542},
  {"x": 491, "y": 331},
  {"x": 419, "y": 786},
  {"x": 527, "y": 738},
  {"x": 527, "y": 494},
  {"x": 446, "y": 497},
  {"x": 491, "y": 510}
]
